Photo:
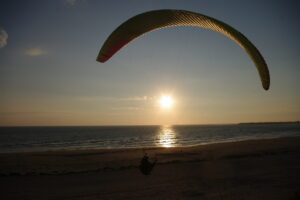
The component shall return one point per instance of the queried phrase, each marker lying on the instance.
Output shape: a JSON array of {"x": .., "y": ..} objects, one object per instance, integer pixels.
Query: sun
[{"x": 166, "y": 102}]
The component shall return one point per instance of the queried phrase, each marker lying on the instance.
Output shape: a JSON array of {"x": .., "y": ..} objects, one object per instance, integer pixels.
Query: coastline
[
  {"x": 252, "y": 169},
  {"x": 35, "y": 139}
]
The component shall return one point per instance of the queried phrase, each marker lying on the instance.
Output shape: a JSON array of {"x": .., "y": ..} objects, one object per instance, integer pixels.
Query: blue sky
[{"x": 49, "y": 74}]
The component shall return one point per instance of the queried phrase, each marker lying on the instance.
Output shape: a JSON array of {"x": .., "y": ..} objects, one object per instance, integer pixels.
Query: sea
[{"x": 33, "y": 139}]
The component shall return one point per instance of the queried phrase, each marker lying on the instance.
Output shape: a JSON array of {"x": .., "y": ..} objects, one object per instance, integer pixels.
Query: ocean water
[{"x": 30, "y": 139}]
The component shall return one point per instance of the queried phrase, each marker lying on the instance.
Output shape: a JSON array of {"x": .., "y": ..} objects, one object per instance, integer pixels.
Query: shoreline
[
  {"x": 103, "y": 159},
  {"x": 140, "y": 147}
]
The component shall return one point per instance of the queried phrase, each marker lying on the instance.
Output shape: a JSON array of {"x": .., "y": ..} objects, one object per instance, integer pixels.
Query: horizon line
[{"x": 120, "y": 125}]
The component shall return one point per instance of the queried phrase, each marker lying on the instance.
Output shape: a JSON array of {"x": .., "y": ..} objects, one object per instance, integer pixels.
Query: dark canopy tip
[{"x": 102, "y": 58}]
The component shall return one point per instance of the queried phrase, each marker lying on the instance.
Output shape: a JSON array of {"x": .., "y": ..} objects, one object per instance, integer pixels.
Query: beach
[{"x": 253, "y": 169}]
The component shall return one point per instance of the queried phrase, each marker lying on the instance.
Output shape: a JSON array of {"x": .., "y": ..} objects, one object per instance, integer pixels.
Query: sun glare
[{"x": 166, "y": 102}]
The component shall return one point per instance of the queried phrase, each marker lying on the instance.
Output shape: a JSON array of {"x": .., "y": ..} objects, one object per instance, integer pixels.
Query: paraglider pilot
[{"x": 146, "y": 166}]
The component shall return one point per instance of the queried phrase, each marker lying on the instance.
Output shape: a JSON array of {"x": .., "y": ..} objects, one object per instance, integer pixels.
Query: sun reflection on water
[{"x": 167, "y": 137}]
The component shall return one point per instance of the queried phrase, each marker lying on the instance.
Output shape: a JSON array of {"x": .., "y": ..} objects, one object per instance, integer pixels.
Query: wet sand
[{"x": 255, "y": 169}]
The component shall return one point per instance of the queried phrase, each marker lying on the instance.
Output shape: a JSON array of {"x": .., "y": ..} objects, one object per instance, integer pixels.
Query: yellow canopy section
[{"x": 149, "y": 21}]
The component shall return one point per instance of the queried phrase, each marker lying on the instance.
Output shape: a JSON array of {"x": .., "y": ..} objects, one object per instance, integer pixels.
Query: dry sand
[{"x": 257, "y": 169}]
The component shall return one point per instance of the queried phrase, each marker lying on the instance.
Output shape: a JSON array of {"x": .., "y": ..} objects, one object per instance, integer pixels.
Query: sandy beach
[{"x": 256, "y": 169}]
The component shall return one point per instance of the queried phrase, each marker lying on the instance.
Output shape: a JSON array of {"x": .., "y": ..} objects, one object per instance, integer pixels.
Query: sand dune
[{"x": 257, "y": 169}]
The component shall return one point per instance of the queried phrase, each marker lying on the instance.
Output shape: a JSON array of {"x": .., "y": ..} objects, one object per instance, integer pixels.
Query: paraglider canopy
[{"x": 157, "y": 19}]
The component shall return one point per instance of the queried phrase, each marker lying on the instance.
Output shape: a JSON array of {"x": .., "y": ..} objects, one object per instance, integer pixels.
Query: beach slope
[{"x": 255, "y": 169}]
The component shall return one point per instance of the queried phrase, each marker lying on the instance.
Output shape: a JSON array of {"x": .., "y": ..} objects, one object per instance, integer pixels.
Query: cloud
[
  {"x": 70, "y": 2},
  {"x": 127, "y": 108},
  {"x": 142, "y": 98},
  {"x": 3, "y": 37},
  {"x": 35, "y": 52}
]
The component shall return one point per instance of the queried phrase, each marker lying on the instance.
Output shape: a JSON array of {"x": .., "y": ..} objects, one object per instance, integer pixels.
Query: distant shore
[
  {"x": 290, "y": 122},
  {"x": 254, "y": 169}
]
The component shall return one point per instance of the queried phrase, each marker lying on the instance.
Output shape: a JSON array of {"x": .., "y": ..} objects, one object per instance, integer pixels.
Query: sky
[{"x": 49, "y": 75}]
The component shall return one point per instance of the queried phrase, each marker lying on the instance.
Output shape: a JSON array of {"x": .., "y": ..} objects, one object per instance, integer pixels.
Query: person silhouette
[{"x": 145, "y": 165}]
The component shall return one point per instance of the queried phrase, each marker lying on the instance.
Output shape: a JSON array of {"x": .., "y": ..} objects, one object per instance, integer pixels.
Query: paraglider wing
[{"x": 149, "y": 21}]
